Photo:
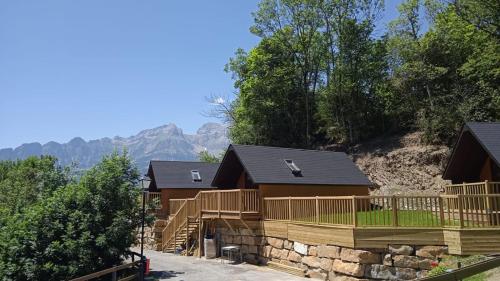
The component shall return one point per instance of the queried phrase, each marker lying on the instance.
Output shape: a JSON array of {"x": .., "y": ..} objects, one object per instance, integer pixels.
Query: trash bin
[{"x": 210, "y": 249}]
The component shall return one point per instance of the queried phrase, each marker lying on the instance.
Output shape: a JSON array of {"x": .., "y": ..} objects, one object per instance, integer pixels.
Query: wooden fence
[
  {"x": 465, "y": 211},
  {"x": 113, "y": 271},
  {"x": 485, "y": 187}
]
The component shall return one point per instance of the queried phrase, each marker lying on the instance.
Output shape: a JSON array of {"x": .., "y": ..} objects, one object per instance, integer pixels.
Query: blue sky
[{"x": 98, "y": 68}]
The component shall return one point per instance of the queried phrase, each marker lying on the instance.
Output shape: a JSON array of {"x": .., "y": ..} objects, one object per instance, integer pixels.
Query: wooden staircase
[
  {"x": 181, "y": 226},
  {"x": 180, "y": 238}
]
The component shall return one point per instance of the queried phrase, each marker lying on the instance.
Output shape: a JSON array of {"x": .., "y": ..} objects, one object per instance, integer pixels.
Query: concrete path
[{"x": 166, "y": 266}]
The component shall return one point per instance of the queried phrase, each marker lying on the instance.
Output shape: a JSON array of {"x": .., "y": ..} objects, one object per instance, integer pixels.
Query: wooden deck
[
  {"x": 459, "y": 241},
  {"x": 466, "y": 223}
]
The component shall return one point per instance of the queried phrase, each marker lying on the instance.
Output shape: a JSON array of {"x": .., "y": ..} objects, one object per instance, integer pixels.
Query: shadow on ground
[{"x": 157, "y": 275}]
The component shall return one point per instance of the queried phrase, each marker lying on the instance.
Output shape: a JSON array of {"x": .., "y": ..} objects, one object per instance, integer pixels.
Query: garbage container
[{"x": 210, "y": 249}]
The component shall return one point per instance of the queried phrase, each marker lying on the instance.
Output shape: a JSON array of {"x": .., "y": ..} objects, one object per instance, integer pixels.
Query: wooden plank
[
  {"x": 285, "y": 268},
  {"x": 276, "y": 229},
  {"x": 318, "y": 234},
  {"x": 479, "y": 241},
  {"x": 382, "y": 237}
]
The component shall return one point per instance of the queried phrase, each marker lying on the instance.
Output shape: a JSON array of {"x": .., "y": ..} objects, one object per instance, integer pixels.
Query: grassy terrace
[{"x": 405, "y": 218}]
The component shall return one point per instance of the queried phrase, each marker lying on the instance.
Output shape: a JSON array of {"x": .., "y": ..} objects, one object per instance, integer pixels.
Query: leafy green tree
[
  {"x": 81, "y": 228},
  {"x": 25, "y": 182},
  {"x": 482, "y": 14},
  {"x": 319, "y": 75},
  {"x": 270, "y": 106},
  {"x": 205, "y": 156}
]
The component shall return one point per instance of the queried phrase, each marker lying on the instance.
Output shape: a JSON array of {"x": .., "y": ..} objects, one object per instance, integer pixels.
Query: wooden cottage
[
  {"x": 476, "y": 155},
  {"x": 278, "y": 172},
  {"x": 311, "y": 197},
  {"x": 179, "y": 180}
]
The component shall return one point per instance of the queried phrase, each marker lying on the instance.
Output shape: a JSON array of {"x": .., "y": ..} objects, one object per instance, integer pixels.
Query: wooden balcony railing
[
  {"x": 234, "y": 201},
  {"x": 485, "y": 187},
  {"x": 153, "y": 199},
  {"x": 230, "y": 201},
  {"x": 463, "y": 211}
]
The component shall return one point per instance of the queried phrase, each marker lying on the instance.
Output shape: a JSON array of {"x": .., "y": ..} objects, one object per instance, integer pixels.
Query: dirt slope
[{"x": 402, "y": 164}]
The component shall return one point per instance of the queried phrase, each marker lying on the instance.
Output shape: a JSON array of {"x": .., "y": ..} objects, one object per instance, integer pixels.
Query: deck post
[
  {"x": 218, "y": 203},
  {"x": 200, "y": 226},
  {"x": 317, "y": 210},
  {"x": 460, "y": 210},
  {"x": 394, "y": 203},
  {"x": 240, "y": 201},
  {"x": 289, "y": 208},
  {"x": 487, "y": 192},
  {"x": 441, "y": 210},
  {"x": 175, "y": 239},
  {"x": 354, "y": 212},
  {"x": 187, "y": 232}
]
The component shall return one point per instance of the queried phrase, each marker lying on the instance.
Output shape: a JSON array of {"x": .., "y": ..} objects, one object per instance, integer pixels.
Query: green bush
[{"x": 81, "y": 228}]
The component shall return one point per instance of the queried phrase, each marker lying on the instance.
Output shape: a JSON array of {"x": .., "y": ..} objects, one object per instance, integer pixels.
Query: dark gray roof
[
  {"x": 476, "y": 142},
  {"x": 488, "y": 135},
  {"x": 265, "y": 165},
  {"x": 177, "y": 174}
]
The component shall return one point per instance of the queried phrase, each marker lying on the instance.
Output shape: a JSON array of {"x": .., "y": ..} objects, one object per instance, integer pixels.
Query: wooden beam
[
  {"x": 247, "y": 227},
  {"x": 229, "y": 225}
]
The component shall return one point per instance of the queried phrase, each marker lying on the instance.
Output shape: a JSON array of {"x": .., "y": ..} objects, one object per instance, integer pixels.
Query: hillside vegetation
[{"x": 325, "y": 72}]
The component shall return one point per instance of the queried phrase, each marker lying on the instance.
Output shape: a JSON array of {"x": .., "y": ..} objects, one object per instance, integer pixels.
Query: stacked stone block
[{"x": 335, "y": 263}]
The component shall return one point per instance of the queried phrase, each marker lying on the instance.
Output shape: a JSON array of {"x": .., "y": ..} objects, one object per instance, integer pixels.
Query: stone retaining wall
[
  {"x": 153, "y": 235},
  {"x": 334, "y": 263}
]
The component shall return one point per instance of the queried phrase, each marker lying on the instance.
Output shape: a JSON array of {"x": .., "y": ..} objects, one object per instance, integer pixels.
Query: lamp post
[{"x": 145, "y": 177}]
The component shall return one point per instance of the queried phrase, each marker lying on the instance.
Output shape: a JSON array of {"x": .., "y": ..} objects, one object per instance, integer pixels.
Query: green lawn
[{"x": 382, "y": 218}]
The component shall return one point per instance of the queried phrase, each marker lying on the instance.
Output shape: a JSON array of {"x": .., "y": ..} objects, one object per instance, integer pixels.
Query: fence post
[
  {"x": 317, "y": 210},
  {"x": 394, "y": 203},
  {"x": 113, "y": 276},
  {"x": 289, "y": 208},
  {"x": 460, "y": 210},
  {"x": 441, "y": 210},
  {"x": 354, "y": 212}
]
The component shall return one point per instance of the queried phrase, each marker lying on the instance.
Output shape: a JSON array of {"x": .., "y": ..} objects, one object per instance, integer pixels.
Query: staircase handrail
[{"x": 173, "y": 225}]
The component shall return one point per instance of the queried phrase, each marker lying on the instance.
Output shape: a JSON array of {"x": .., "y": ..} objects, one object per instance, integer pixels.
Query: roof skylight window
[
  {"x": 293, "y": 167},
  {"x": 195, "y": 175}
]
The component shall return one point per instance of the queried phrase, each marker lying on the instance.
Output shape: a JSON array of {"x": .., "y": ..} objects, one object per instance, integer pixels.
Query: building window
[
  {"x": 293, "y": 167},
  {"x": 195, "y": 175}
]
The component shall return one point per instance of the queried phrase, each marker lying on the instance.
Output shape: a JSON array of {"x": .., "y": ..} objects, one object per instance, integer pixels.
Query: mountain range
[{"x": 166, "y": 142}]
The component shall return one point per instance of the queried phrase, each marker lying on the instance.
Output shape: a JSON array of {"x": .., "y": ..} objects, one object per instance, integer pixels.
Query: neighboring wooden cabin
[
  {"x": 279, "y": 172},
  {"x": 476, "y": 155},
  {"x": 179, "y": 180}
]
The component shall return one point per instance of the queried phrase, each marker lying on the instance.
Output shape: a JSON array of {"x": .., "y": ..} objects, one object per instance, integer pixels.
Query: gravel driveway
[{"x": 166, "y": 266}]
